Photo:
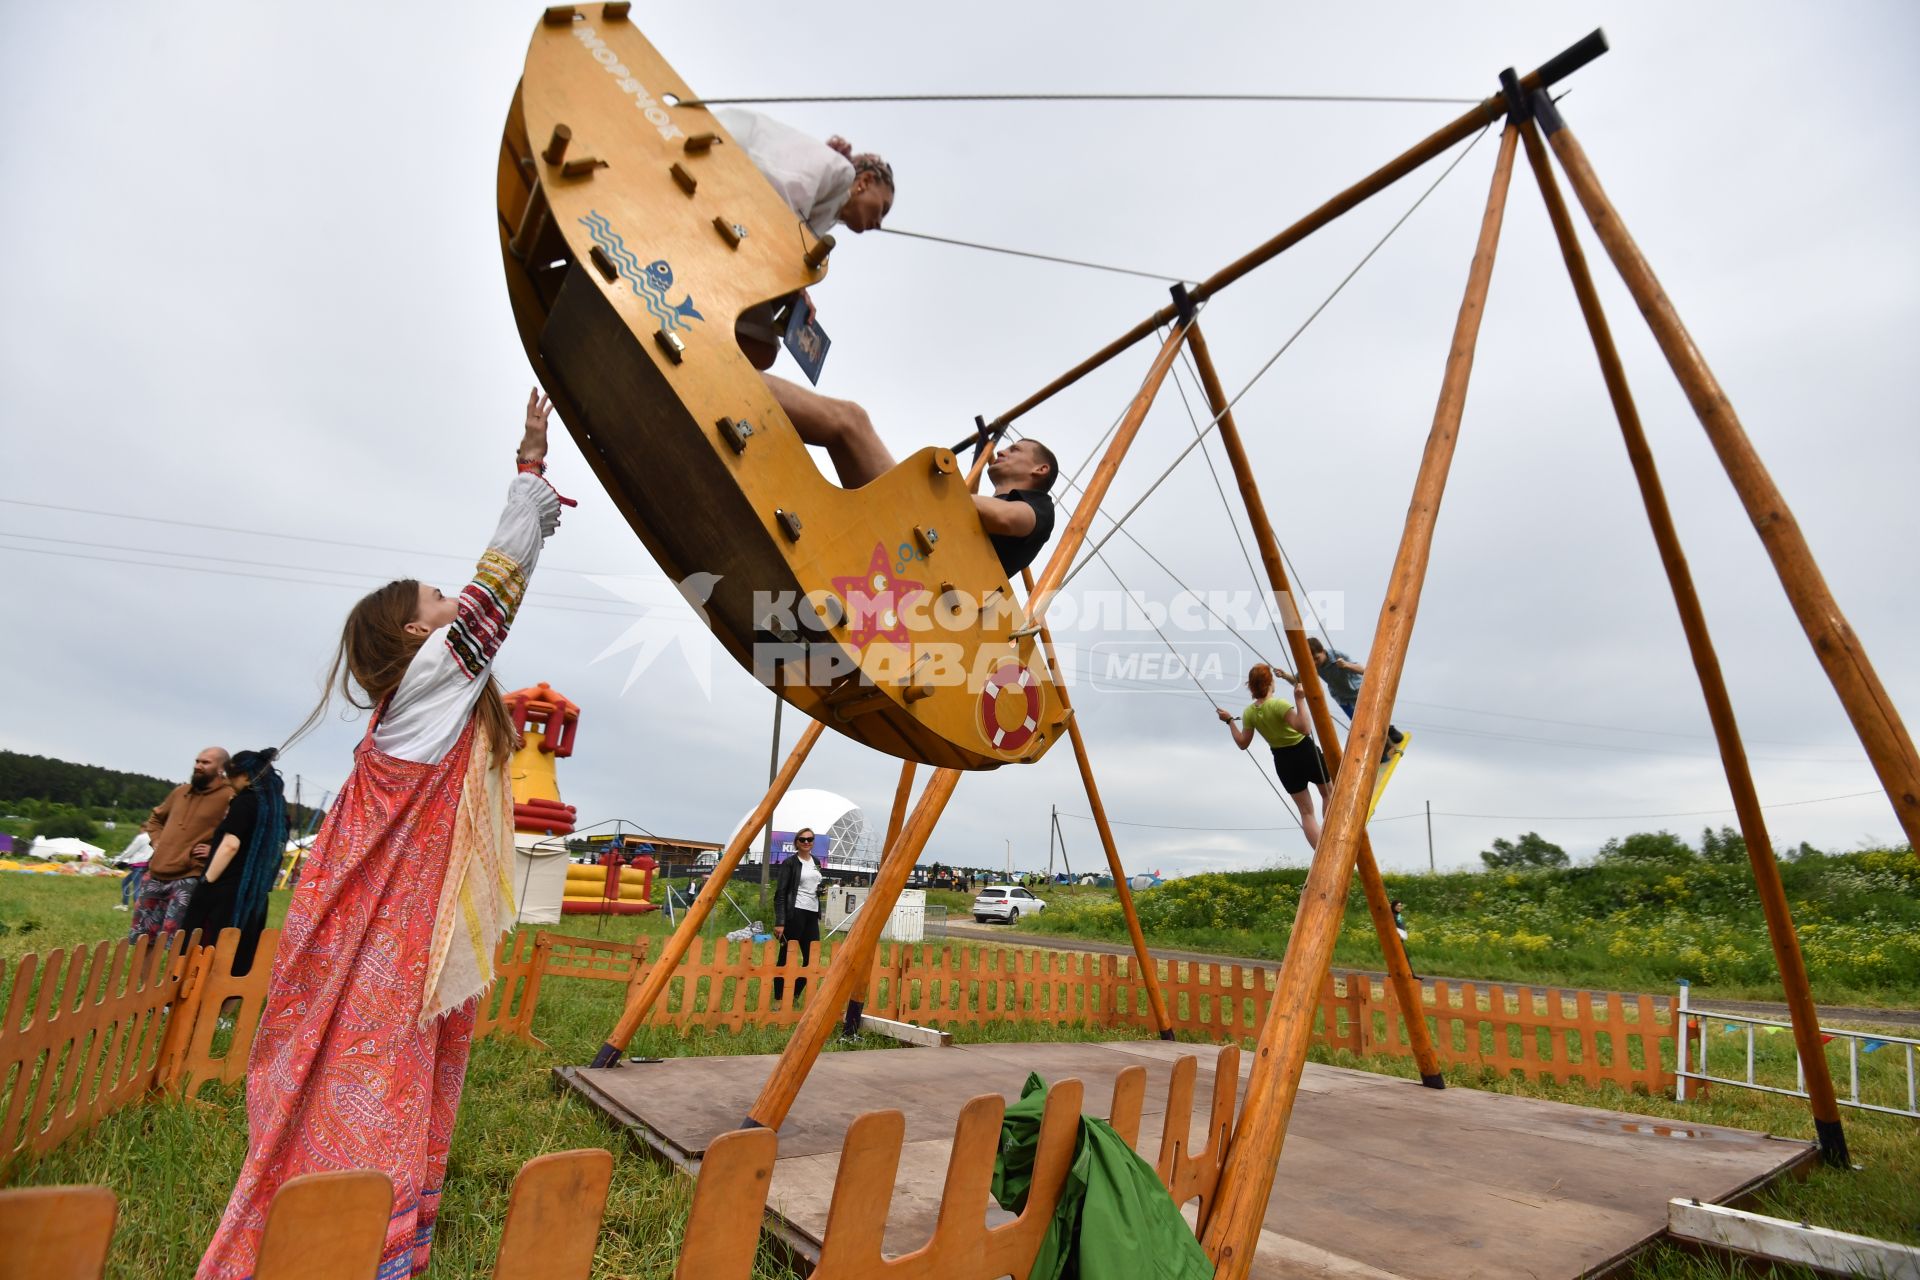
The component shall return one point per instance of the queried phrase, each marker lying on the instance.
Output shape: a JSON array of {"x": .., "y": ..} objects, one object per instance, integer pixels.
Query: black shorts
[{"x": 1299, "y": 766}]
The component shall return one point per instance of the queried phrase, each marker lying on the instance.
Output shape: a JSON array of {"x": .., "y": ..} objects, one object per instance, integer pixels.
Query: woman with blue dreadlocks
[{"x": 243, "y": 857}]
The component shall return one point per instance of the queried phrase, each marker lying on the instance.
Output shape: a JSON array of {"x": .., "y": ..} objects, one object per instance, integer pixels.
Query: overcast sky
[{"x": 253, "y": 284}]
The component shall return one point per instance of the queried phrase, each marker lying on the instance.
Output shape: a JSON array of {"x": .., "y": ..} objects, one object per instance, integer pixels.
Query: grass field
[
  {"x": 1623, "y": 926},
  {"x": 173, "y": 1163}
]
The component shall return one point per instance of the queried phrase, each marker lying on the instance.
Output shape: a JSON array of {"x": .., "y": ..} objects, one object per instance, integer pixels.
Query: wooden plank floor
[{"x": 1379, "y": 1178}]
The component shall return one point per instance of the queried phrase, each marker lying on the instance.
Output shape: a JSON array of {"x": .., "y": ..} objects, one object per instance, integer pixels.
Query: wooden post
[
  {"x": 1150, "y": 974},
  {"x": 655, "y": 984},
  {"x": 901, "y": 794},
  {"x": 1693, "y": 620},
  {"x": 851, "y": 960},
  {"x": 1041, "y": 593},
  {"x": 1247, "y": 1179},
  {"x": 1399, "y": 972},
  {"x": 1874, "y": 716}
]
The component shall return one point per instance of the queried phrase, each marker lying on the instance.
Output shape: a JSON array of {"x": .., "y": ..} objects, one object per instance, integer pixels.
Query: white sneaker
[{"x": 119, "y": 906}]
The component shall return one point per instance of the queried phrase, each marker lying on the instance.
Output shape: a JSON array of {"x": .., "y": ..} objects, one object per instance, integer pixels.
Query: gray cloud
[{"x": 255, "y": 284}]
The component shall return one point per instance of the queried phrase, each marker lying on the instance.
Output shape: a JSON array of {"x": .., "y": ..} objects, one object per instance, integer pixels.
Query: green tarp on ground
[{"x": 1115, "y": 1220}]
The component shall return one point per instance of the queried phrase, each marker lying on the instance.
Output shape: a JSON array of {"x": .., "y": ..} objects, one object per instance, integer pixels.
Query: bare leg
[
  {"x": 1309, "y": 820},
  {"x": 841, "y": 427}
]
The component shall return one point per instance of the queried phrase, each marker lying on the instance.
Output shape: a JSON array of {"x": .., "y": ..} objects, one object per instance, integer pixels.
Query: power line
[
  {"x": 1081, "y": 97},
  {"x": 534, "y": 598},
  {"x": 1613, "y": 746},
  {"x": 1500, "y": 817},
  {"x": 1617, "y": 817},
  {"x": 359, "y": 578},
  {"x": 265, "y": 533},
  {"x": 1039, "y": 257},
  {"x": 1586, "y": 724}
]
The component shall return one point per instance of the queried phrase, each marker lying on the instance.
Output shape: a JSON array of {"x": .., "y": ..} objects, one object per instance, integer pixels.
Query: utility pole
[
  {"x": 1009, "y": 859},
  {"x": 1053, "y": 825},
  {"x": 1430, "y": 870},
  {"x": 773, "y": 770}
]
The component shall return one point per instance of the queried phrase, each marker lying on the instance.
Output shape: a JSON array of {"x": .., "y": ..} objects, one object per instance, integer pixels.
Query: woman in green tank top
[{"x": 1295, "y": 757}]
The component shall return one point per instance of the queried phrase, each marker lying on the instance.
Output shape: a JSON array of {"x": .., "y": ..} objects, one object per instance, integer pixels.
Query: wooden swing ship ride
[{"x": 634, "y": 233}]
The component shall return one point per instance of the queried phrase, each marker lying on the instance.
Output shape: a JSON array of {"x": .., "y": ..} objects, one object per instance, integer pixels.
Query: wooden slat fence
[
  {"x": 216, "y": 1041},
  {"x": 1561, "y": 1037},
  {"x": 330, "y": 1226},
  {"x": 88, "y": 1030}
]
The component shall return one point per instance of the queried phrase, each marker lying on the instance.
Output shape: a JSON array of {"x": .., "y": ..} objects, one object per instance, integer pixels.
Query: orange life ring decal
[{"x": 1010, "y": 678}]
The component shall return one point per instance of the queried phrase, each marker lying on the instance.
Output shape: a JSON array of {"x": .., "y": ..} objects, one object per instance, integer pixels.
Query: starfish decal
[{"x": 876, "y": 602}]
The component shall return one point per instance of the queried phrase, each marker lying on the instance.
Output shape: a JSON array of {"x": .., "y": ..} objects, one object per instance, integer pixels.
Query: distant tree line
[
  {"x": 84, "y": 786},
  {"x": 1641, "y": 848},
  {"x": 67, "y": 799}
]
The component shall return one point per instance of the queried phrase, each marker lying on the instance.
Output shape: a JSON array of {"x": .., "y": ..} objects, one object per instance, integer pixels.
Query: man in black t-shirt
[{"x": 1019, "y": 515}]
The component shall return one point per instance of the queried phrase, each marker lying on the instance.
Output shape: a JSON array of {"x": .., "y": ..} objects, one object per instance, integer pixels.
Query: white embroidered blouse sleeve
[{"x": 430, "y": 708}]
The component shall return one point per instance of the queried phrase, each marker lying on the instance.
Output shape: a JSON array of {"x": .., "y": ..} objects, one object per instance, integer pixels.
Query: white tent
[
  {"x": 66, "y": 847},
  {"x": 834, "y": 817},
  {"x": 539, "y": 878}
]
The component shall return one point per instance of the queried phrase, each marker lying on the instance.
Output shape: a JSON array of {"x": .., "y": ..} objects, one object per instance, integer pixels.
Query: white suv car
[{"x": 1005, "y": 902}]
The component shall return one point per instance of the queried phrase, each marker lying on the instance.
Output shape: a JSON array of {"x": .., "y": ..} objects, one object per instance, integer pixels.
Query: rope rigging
[
  {"x": 1177, "y": 580},
  {"x": 1187, "y": 667},
  {"x": 672, "y": 101},
  {"x": 1097, "y": 549},
  {"x": 1284, "y": 347},
  {"x": 1041, "y": 257}
]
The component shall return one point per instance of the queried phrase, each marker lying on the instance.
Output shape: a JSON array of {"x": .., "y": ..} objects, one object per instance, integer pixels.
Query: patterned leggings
[{"x": 161, "y": 906}]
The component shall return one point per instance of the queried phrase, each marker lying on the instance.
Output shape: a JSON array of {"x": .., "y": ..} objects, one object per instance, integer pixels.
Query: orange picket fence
[
  {"x": 334, "y": 1224},
  {"x": 95, "y": 1027},
  {"x": 1585, "y": 1038}
]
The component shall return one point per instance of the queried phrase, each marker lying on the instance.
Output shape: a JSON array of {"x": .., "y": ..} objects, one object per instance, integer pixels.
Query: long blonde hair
[{"x": 374, "y": 653}]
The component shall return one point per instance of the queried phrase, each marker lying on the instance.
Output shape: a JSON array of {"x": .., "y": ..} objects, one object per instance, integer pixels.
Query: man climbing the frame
[
  {"x": 1019, "y": 515},
  {"x": 1342, "y": 677}
]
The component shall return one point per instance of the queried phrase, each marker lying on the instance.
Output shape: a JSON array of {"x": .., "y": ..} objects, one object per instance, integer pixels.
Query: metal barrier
[{"x": 1691, "y": 1057}]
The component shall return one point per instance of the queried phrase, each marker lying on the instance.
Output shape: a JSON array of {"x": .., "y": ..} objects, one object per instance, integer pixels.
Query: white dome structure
[{"x": 838, "y": 821}]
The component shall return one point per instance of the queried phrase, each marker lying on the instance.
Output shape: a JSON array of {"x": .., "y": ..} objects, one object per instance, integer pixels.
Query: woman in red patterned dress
[{"x": 389, "y": 940}]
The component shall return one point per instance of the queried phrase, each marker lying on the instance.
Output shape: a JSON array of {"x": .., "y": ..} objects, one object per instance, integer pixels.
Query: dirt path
[{"x": 1756, "y": 1008}]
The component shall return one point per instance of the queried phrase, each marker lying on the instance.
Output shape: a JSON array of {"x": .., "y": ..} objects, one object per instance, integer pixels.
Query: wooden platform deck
[{"x": 1379, "y": 1178}]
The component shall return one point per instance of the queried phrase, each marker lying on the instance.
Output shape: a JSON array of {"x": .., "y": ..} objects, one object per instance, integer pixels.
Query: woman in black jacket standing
[{"x": 796, "y": 908}]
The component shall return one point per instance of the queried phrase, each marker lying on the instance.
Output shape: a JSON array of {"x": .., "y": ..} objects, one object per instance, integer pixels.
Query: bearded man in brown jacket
[{"x": 180, "y": 827}]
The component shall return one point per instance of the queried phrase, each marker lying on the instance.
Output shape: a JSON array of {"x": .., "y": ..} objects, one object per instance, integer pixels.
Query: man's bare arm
[{"x": 1006, "y": 516}]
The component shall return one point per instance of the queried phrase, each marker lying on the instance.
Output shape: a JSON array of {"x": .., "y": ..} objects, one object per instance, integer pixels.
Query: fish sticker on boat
[{"x": 651, "y": 283}]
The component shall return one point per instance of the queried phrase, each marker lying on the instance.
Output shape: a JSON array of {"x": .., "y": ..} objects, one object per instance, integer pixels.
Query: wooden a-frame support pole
[
  {"x": 1399, "y": 973},
  {"x": 1149, "y": 971},
  {"x": 1246, "y": 1181},
  {"x": 654, "y": 986},
  {"x": 1874, "y": 716},
  {"x": 1713, "y": 685},
  {"x": 853, "y": 958},
  {"x": 902, "y": 793}
]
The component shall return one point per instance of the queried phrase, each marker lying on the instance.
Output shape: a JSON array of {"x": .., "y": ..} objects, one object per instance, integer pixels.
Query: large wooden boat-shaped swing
[{"x": 634, "y": 234}]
